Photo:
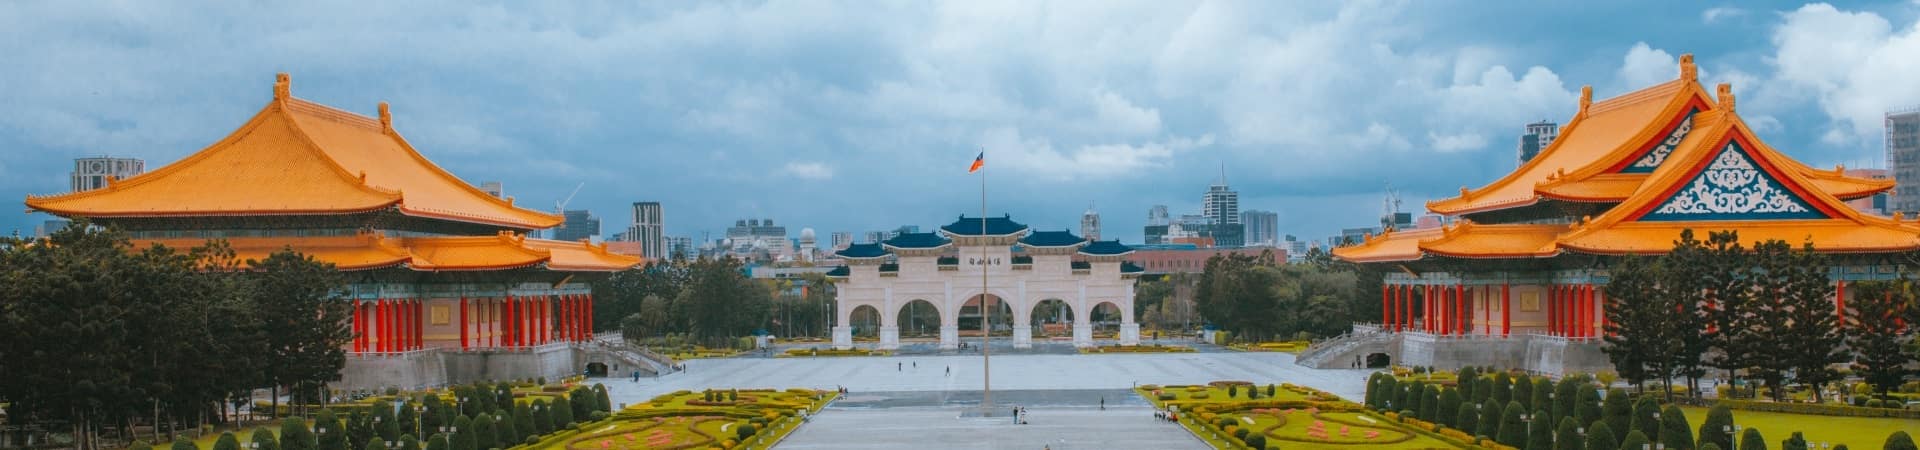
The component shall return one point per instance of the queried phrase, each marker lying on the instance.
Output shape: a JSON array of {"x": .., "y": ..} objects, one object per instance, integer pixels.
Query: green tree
[
  {"x": 184, "y": 443},
  {"x": 227, "y": 441},
  {"x": 1600, "y": 437},
  {"x": 1675, "y": 432},
  {"x": 140, "y": 445},
  {"x": 409, "y": 419},
  {"x": 375, "y": 444},
  {"x": 1874, "y": 333},
  {"x": 1448, "y": 410},
  {"x": 722, "y": 303},
  {"x": 1490, "y": 416},
  {"x": 332, "y": 434},
  {"x": 523, "y": 423},
  {"x": 1502, "y": 388},
  {"x": 1543, "y": 398},
  {"x": 1467, "y": 377},
  {"x": 437, "y": 442},
  {"x": 385, "y": 425},
  {"x": 1638, "y": 328},
  {"x": 562, "y": 412},
  {"x": 1899, "y": 440},
  {"x": 1728, "y": 295},
  {"x": 298, "y": 298},
  {"x": 542, "y": 417},
  {"x": 1794, "y": 442},
  {"x": 1717, "y": 428},
  {"x": 295, "y": 436},
  {"x": 583, "y": 402},
  {"x": 1567, "y": 436},
  {"x": 1430, "y": 403},
  {"x": 1466, "y": 418},
  {"x": 485, "y": 435},
  {"x": 1618, "y": 410},
  {"x": 408, "y": 442},
  {"x": 1646, "y": 414},
  {"x": 263, "y": 440},
  {"x": 1634, "y": 440},
  {"x": 1513, "y": 431},
  {"x": 1523, "y": 392},
  {"x": 1586, "y": 406},
  {"x": 1812, "y": 336},
  {"x": 1773, "y": 281},
  {"x": 1751, "y": 440},
  {"x": 507, "y": 431},
  {"x": 1565, "y": 396},
  {"x": 463, "y": 434},
  {"x": 606, "y": 402},
  {"x": 1389, "y": 387},
  {"x": 1540, "y": 431}
]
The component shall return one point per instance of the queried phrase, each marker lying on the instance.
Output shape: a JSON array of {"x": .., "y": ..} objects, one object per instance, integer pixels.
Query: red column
[
  {"x": 356, "y": 326},
  {"x": 413, "y": 324},
  {"x": 1426, "y": 308},
  {"x": 463, "y": 322},
  {"x": 408, "y": 324},
  {"x": 1840, "y": 303},
  {"x": 1553, "y": 309},
  {"x": 507, "y": 328},
  {"x": 1486, "y": 311},
  {"x": 1586, "y": 312},
  {"x": 494, "y": 322},
  {"x": 1400, "y": 307},
  {"x": 588, "y": 326},
  {"x": 1506, "y": 309},
  {"x": 571, "y": 317},
  {"x": 1459, "y": 309},
  {"x": 1386, "y": 313},
  {"x": 419, "y": 323}
]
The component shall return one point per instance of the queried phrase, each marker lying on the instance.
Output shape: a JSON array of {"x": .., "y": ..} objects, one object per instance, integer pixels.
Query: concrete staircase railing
[{"x": 1320, "y": 353}]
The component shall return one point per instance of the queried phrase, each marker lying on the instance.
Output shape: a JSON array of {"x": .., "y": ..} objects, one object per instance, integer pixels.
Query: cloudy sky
[{"x": 863, "y": 115}]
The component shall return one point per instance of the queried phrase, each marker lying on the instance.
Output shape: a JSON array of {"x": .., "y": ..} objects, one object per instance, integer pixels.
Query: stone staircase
[
  {"x": 1334, "y": 353},
  {"x": 613, "y": 347}
]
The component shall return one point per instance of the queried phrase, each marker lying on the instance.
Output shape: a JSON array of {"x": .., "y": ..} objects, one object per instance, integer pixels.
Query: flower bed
[
  {"x": 731, "y": 419},
  {"x": 1291, "y": 416},
  {"x": 1137, "y": 349}
]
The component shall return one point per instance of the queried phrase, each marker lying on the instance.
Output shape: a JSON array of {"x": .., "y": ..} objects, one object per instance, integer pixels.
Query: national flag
[{"x": 978, "y": 161}]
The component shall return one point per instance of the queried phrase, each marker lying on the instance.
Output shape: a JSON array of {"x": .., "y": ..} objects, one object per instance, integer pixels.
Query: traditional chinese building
[
  {"x": 445, "y": 285},
  {"x": 943, "y": 271},
  {"x": 1517, "y": 280}
]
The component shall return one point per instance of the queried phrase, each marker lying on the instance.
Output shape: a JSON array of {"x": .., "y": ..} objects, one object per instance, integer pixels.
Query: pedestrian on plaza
[
  {"x": 949, "y": 370},
  {"x": 1103, "y": 403},
  {"x": 916, "y": 364},
  {"x": 1016, "y": 415},
  {"x": 896, "y": 367}
]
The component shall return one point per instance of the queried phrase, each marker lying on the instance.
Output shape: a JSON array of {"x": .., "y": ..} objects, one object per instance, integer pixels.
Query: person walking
[
  {"x": 949, "y": 370},
  {"x": 1103, "y": 403},
  {"x": 897, "y": 367}
]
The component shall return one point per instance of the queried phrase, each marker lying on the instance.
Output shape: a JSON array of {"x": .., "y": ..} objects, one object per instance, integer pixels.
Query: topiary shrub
[
  {"x": 1899, "y": 440},
  {"x": 744, "y": 431},
  {"x": 1751, "y": 440},
  {"x": 1635, "y": 439},
  {"x": 139, "y": 444},
  {"x": 1714, "y": 429},
  {"x": 1674, "y": 430},
  {"x": 226, "y": 442},
  {"x": 1240, "y": 434},
  {"x": 597, "y": 416},
  {"x": 263, "y": 439},
  {"x": 1794, "y": 442}
]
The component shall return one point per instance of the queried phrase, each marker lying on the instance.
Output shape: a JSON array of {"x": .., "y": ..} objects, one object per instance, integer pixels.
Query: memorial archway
[
  {"x": 1000, "y": 315},
  {"x": 1106, "y": 318},
  {"x": 1051, "y": 317},
  {"x": 918, "y": 318}
]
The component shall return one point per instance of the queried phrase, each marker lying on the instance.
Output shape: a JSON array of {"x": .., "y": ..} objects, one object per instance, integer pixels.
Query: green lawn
[
  {"x": 686, "y": 419},
  {"x": 1856, "y": 432}
]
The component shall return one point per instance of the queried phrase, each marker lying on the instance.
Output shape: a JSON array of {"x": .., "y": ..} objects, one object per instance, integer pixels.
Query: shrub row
[{"x": 1820, "y": 409}]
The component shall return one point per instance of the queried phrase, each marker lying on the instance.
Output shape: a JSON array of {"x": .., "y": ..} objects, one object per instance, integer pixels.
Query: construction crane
[
  {"x": 1390, "y": 208},
  {"x": 560, "y": 207}
]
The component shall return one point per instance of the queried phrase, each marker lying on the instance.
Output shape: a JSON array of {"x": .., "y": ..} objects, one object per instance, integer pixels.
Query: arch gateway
[{"x": 942, "y": 270}]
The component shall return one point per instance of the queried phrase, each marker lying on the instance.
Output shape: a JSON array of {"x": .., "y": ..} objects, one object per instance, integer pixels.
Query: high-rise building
[
  {"x": 649, "y": 228},
  {"x": 579, "y": 224},
  {"x": 1296, "y": 248},
  {"x": 1262, "y": 227},
  {"x": 904, "y": 229},
  {"x": 875, "y": 237},
  {"x": 841, "y": 240},
  {"x": 1903, "y": 155},
  {"x": 1875, "y": 204},
  {"x": 1157, "y": 215},
  {"x": 759, "y": 240},
  {"x": 94, "y": 173},
  {"x": 1536, "y": 138},
  {"x": 492, "y": 188},
  {"x": 1221, "y": 204},
  {"x": 809, "y": 248},
  {"x": 680, "y": 248},
  {"x": 1090, "y": 224}
]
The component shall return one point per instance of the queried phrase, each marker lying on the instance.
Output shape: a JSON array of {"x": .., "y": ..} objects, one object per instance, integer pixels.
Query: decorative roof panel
[
  {"x": 1062, "y": 238},
  {"x": 862, "y": 251},
  {"x": 917, "y": 240},
  {"x": 995, "y": 226},
  {"x": 1106, "y": 248}
]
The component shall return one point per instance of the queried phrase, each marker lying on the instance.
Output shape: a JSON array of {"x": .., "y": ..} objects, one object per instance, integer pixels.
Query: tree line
[
  {"x": 711, "y": 301},
  {"x": 98, "y": 335},
  {"x": 1256, "y": 299},
  {"x": 1766, "y": 313}
]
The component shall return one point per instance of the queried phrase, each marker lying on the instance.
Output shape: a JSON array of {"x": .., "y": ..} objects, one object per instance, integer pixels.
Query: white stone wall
[{"x": 1049, "y": 277}]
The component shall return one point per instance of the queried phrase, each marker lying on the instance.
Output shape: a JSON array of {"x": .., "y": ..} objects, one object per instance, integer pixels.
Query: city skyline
[{"x": 1443, "y": 95}]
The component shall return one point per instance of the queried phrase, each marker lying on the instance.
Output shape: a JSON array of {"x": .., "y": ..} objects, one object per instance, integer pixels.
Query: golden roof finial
[
  {"x": 1463, "y": 192},
  {"x": 1897, "y": 216},
  {"x": 1687, "y": 70},
  {"x": 282, "y": 87},
  {"x": 1840, "y": 169},
  {"x": 1725, "y": 94},
  {"x": 509, "y": 200},
  {"x": 386, "y": 118},
  {"x": 1586, "y": 98}
]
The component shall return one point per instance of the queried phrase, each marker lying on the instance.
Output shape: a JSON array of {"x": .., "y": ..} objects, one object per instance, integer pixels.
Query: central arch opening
[
  {"x": 1106, "y": 320},
  {"x": 919, "y": 318},
  {"x": 865, "y": 320},
  {"x": 1051, "y": 317},
  {"x": 970, "y": 318}
]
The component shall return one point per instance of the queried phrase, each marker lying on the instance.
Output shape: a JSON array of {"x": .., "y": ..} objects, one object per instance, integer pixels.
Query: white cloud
[
  {"x": 1646, "y": 66},
  {"x": 1009, "y": 149},
  {"x": 809, "y": 170},
  {"x": 1856, "y": 63},
  {"x": 1716, "y": 14},
  {"x": 1455, "y": 142},
  {"x": 1123, "y": 117}
]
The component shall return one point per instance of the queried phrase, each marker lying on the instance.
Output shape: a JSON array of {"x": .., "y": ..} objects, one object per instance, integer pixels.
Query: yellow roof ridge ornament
[
  {"x": 1586, "y": 99},
  {"x": 1725, "y": 94},
  {"x": 509, "y": 200},
  {"x": 282, "y": 87},
  {"x": 1898, "y": 216},
  {"x": 1464, "y": 193},
  {"x": 1688, "y": 71},
  {"x": 1840, "y": 169},
  {"x": 386, "y": 119}
]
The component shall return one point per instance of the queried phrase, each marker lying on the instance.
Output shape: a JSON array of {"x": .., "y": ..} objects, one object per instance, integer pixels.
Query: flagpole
[{"x": 986, "y": 318}]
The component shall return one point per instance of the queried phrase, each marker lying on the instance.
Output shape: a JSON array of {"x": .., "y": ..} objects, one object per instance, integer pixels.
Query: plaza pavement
[{"x": 911, "y": 401}]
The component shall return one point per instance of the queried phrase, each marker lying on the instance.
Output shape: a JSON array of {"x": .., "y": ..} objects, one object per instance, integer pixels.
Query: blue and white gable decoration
[
  {"x": 1733, "y": 188},
  {"x": 1658, "y": 155}
]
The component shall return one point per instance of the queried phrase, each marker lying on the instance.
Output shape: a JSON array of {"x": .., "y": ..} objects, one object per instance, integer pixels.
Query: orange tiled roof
[
  {"x": 460, "y": 253},
  {"x": 1475, "y": 241},
  {"x": 1598, "y": 130},
  {"x": 298, "y": 157},
  {"x": 582, "y": 256},
  {"x": 1619, "y": 230},
  {"x": 359, "y": 252},
  {"x": 1388, "y": 247}
]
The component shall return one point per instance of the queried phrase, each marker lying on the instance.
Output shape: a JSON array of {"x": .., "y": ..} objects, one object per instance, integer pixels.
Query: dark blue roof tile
[
  {"x": 862, "y": 251},
  {"x": 917, "y": 240},
  {"x": 1129, "y": 267},
  {"x": 841, "y": 271},
  {"x": 1106, "y": 248},
  {"x": 1060, "y": 238},
  {"x": 1082, "y": 265},
  {"x": 995, "y": 226}
]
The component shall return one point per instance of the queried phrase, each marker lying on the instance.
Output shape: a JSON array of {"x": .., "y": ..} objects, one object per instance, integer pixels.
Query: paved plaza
[{"x": 899, "y": 400}]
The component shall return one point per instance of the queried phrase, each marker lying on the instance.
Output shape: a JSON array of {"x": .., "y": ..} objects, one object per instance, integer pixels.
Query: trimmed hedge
[{"x": 1819, "y": 409}]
